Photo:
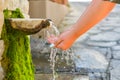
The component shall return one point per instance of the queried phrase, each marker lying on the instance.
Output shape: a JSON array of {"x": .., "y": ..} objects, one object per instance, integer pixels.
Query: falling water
[{"x": 67, "y": 55}]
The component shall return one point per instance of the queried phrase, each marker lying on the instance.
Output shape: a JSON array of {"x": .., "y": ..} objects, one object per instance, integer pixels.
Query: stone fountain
[{"x": 16, "y": 58}]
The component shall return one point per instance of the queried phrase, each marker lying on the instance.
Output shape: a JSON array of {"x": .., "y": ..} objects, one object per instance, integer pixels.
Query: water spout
[{"x": 29, "y": 26}]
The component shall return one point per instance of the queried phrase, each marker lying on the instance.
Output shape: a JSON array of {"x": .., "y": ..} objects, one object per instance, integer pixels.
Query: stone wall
[
  {"x": 1, "y": 41},
  {"x": 47, "y": 9},
  {"x": 1, "y": 14},
  {"x": 11, "y": 5}
]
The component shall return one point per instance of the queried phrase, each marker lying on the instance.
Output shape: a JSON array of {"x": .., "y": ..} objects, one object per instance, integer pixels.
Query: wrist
[{"x": 74, "y": 33}]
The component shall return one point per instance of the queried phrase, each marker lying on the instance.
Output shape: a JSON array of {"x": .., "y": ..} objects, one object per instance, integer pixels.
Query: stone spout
[{"x": 29, "y": 26}]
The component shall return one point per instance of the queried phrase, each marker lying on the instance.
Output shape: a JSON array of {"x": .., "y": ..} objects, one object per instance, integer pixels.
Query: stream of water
[{"x": 67, "y": 55}]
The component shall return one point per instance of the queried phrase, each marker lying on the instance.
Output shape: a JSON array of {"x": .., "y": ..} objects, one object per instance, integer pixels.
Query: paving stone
[
  {"x": 109, "y": 24},
  {"x": 101, "y": 44},
  {"x": 112, "y": 18},
  {"x": 94, "y": 31},
  {"x": 109, "y": 54},
  {"x": 116, "y": 47},
  {"x": 89, "y": 61},
  {"x": 115, "y": 71},
  {"x": 39, "y": 46},
  {"x": 95, "y": 76},
  {"x": 117, "y": 29},
  {"x": 106, "y": 28},
  {"x": 106, "y": 36},
  {"x": 116, "y": 55},
  {"x": 101, "y": 50},
  {"x": 82, "y": 38},
  {"x": 61, "y": 77},
  {"x": 116, "y": 9}
]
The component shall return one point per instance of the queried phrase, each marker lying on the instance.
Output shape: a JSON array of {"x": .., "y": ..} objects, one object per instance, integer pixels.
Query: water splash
[
  {"x": 67, "y": 54},
  {"x": 50, "y": 31}
]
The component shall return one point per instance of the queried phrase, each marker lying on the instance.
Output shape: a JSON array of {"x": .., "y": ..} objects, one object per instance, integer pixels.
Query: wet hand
[{"x": 64, "y": 40}]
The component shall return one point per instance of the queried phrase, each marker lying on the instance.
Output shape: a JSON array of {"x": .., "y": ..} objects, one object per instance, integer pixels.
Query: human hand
[{"x": 64, "y": 40}]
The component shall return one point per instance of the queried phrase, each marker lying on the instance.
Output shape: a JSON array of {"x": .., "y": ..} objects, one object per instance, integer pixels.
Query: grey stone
[
  {"x": 109, "y": 53},
  {"x": 100, "y": 49},
  {"x": 110, "y": 25},
  {"x": 116, "y": 55},
  {"x": 115, "y": 71},
  {"x": 113, "y": 18},
  {"x": 117, "y": 29},
  {"x": 116, "y": 47},
  {"x": 95, "y": 76},
  {"x": 106, "y": 36},
  {"x": 106, "y": 28},
  {"x": 101, "y": 44},
  {"x": 82, "y": 38},
  {"x": 114, "y": 21},
  {"x": 89, "y": 61},
  {"x": 104, "y": 76},
  {"x": 94, "y": 31},
  {"x": 116, "y": 9},
  {"x": 61, "y": 76},
  {"x": 39, "y": 45}
]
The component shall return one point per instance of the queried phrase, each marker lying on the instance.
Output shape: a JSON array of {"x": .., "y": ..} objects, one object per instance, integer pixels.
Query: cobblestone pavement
[{"x": 99, "y": 48}]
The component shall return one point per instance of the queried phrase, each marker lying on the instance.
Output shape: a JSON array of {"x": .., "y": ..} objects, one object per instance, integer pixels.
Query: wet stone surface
[
  {"x": 61, "y": 77},
  {"x": 115, "y": 70},
  {"x": 108, "y": 36},
  {"x": 89, "y": 61}
]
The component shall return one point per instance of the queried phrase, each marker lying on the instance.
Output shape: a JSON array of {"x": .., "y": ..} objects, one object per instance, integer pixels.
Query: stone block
[
  {"x": 22, "y": 4},
  {"x": 13, "y": 4},
  {"x": 61, "y": 77},
  {"x": 89, "y": 61},
  {"x": 106, "y": 36},
  {"x": 101, "y": 44},
  {"x": 47, "y": 9},
  {"x": 116, "y": 48},
  {"x": 116, "y": 54},
  {"x": 114, "y": 72}
]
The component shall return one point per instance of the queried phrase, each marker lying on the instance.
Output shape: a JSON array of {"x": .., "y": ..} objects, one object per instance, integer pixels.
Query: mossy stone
[{"x": 16, "y": 59}]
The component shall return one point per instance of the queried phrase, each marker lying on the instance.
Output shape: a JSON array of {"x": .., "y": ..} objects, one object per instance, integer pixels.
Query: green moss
[{"x": 16, "y": 61}]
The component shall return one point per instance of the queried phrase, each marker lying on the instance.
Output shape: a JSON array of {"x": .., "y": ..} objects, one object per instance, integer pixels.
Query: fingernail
[{"x": 52, "y": 45}]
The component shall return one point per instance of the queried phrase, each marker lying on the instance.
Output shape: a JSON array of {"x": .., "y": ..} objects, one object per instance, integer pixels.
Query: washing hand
[{"x": 64, "y": 40}]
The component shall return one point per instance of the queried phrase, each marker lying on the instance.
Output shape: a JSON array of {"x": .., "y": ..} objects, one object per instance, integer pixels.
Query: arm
[{"x": 96, "y": 11}]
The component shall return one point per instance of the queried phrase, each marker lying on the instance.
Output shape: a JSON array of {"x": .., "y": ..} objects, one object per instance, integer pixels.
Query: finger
[
  {"x": 61, "y": 46},
  {"x": 52, "y": 35},
  {"x": 57, "y": 42}
]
